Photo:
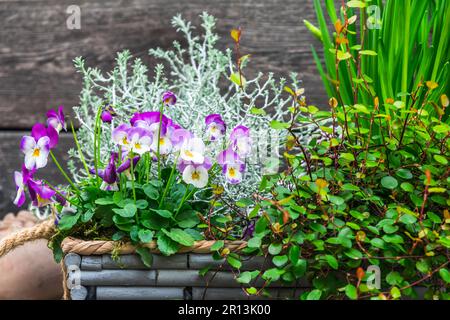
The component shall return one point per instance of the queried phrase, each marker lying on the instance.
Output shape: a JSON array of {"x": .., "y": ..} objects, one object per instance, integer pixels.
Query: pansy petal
[
  {"x": 27, "y": 144},
  {"x": 38, "y": 131},
  {"x": 20, "y": 197}
]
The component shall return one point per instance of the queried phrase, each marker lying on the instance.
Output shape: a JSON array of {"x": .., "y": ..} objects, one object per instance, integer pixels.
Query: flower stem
[
  {"x": 63, "y": 172},
  {"x": 132, "y": 176},
  {"x": 169, "y": 182},
  {"x": 159, "y": 140},
  {"x": 96, "y": 136},
  {"x": 80, "y": 153},
  {"x": 187, "y": 196}
]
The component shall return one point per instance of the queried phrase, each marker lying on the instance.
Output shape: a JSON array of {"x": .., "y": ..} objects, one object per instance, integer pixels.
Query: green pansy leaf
[
  {"x": 314, "y": 295},
  {"x": 146, "y": 256},
  {"x": 145, "y": 236},
  {"x": 180, "y": 236}
]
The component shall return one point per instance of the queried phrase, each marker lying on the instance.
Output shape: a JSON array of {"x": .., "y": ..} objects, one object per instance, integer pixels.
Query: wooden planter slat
[
  {"x": 239, "y": 294},
  {"x": 130, "y": 261},
  {"x": 200, "y": 261},
  {"x": 139, "y": 293},
  {"x": 174, "y": 277}
]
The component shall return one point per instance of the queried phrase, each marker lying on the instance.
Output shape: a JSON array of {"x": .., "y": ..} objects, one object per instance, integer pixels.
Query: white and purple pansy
[
  {"x": 232, "y": 165},
  {"x": 150, "y": 121},
  {"x": 120, "y": 136},
  {"x": 56, "y": 119},
  {"x": 41, "y": 195},
  {"x": 178, "y": 137},
  {"x": 196, "y": 174},
  {"x": 21, "y": 179},
  {"x": 192, "y": 150},
  {"x": 140, "y": 140},
  {"x": 36, "y": 151},
  {"x": 241, "y": 141},
  {"x": 215, "y": 126}
]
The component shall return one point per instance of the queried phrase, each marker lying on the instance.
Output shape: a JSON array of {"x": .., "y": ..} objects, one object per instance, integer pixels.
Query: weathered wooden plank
[
  {"x": 11, "y": 159},
  {"x": 178, "y": 261},
  {"x": 139, "y": 293},
  {"x": 116, "y": 277},
  {"x": 200, "y": 261},
  {"x": 78, "y": 293},
  {"x": 37, "y": 49},
  {"x": 239, "y": 294}
]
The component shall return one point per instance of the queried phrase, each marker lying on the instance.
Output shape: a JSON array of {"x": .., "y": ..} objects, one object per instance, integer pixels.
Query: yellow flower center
[
  {"x": 161, "y": 141},
  {"x": 195, "y": 175},
  {"x": 137, "y": 146},
  {"x": 188, "y": 153},
  {"x": 232, "y": 172},
  {"x": 125, "y": 140},
  {"x": 36, "y": 152}
]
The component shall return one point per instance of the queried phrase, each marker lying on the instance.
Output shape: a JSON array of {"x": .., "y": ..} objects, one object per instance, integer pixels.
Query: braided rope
[
  {"x": 99, "y": 247},
  {"x": 44, "y": 230}
]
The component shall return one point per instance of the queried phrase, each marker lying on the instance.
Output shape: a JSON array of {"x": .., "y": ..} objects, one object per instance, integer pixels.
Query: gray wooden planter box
[{"x": 174, "y": 277}]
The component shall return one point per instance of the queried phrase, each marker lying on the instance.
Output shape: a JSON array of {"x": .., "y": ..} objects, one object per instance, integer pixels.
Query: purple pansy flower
[
  {"x": 36, "y": 151},
  {"x": 216, "y": 127},
  {"x": 109, "y": 174},
  {"x": 182, "y": 164},
  {"x": 120, "y": 135},
  {"x": 56, "y": 119},
  {"x": 178, "y": 137},
  {"x": 107, "y": 114},
  {"x": 140, "y": 140},
  {"x": 41, "y": 195},
  {"x": 126, "y": 166},
  {"x": 169, "y": 98},
  {"x": 39, "y": 130},
  {"x": 241, "y": 141},
  {"x": 196, "y": 174},
  {"x": 150, "y": 121},
  {"x": 21, "y": 179},
  {"x": 232, "y": 165}
]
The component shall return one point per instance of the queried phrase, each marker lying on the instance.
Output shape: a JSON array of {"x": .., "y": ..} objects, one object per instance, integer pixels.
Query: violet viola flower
[
  {"x": 56, "y": 119},
  {"x": 196, "y": 174},
  {"x": 232, "y": 166},
  {"x": 150, "y": 121},
  {"x": 39, "y": 130},
  {"x": 178, "y": 137},
  {"x": 107, "y": 114},
  {"x": 169, "y": 98},
  {"x": 126, "y": 166},
  {"x": 216, "y": 127},
  {"x": 21, "y": 179},
  {"x": 120, "y": 135},
  {"x": 193, "y": 150},
  {"x": 140, "y": 140},
  {"x": 241, "y": 141},
  {"x": 109, "y": 175},
  {"x": 41, "y": 195},
  {"x": 36, "y": 151}
]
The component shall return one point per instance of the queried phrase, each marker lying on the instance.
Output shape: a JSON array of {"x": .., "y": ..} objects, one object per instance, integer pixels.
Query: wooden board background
[{"x": 36, "y": 52}]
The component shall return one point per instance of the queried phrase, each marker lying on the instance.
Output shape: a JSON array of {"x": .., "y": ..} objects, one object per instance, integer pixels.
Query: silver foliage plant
[{"x": 196, "y": 74}]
